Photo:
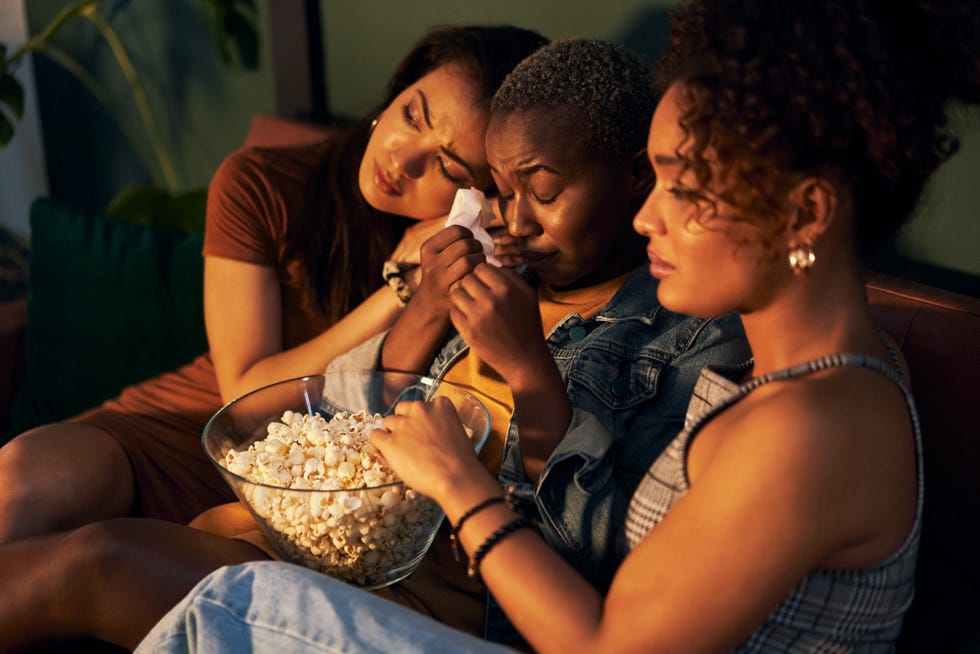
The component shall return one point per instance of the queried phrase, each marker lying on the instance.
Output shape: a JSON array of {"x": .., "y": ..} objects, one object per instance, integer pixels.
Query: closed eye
[
  {"x": 681, "y": 192},
  {"x": 409, "y": 118},
  {"x": 445, "y": 173}
]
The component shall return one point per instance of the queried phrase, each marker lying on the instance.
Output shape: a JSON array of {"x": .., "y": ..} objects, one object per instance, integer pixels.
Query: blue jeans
[{"x": 283, "y": 608}]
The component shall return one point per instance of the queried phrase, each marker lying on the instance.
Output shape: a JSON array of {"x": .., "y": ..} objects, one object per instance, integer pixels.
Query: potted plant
[{"x": 166, "y": 203}]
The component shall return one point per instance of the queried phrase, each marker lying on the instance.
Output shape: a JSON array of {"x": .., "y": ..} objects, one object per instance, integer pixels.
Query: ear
[
  {"x": 814, "y": 203},
  {"x": 641, "y": 177}
]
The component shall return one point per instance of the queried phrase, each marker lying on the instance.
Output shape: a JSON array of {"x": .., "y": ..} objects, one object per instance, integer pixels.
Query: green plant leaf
[
  {"x": 235, "y": 27},
  {"x": 6, "y": 130},
  {"x": 246, "y": 38},
  {"x": 12, "y": 94},
  {"x": 146, "y": 205}
]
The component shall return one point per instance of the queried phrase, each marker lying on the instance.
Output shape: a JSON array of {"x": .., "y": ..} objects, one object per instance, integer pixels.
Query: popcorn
[{"x": 348, "y": 521}]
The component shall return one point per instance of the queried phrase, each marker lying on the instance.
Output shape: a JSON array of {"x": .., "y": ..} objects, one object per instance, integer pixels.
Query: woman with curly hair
[{"x": 786, "y": 516}]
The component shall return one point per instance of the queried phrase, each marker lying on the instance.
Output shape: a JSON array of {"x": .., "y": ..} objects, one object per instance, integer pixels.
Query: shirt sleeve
[
  {"x": 243, "y": 208},
  {"x": 365, "y": 356}
]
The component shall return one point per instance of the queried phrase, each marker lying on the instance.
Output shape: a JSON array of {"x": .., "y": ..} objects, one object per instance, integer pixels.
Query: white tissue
[{"x": 472, "y": 210}]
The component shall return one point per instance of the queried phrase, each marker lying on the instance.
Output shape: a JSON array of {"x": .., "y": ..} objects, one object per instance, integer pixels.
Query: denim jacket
[{"x": 631, "y": 368}]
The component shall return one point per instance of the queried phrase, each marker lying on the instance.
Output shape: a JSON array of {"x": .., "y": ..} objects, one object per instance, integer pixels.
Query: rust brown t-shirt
[{"x": 252, "y": 199}]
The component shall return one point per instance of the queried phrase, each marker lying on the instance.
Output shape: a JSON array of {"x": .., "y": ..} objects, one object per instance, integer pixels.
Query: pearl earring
[{"x": 801, "y": 259}]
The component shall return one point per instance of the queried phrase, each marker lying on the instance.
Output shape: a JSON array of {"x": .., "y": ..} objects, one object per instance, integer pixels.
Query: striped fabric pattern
[{"x": 827, "y": 611}]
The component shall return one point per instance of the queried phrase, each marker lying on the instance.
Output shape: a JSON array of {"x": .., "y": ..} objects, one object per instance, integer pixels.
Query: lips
[
  {"x": 534, "y": 258},
  {"x": 658, "y": 267},
  {"x": 385, "y": 183}
]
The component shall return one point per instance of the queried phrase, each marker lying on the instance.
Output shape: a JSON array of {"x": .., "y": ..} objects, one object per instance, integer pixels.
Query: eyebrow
[
  {"x": 527, "y": 171},
  {"x": 446, "y": 151}
]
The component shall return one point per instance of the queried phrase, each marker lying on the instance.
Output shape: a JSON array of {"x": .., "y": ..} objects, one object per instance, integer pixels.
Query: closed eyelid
[
  {"x": 424, "y": 102},
  {"x": 459, "y": 160},
  {"x": 425, "y": 107}
]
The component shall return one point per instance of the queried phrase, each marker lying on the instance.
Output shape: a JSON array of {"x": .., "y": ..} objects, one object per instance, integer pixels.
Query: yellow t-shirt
[{"x": 484, "y": 382}]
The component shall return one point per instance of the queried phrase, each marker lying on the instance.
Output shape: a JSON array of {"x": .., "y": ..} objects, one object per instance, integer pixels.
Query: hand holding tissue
[{"x": 472, "y": 210}]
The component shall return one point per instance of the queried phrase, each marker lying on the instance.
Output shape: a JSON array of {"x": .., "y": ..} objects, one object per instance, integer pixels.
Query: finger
[
  {"x": 492, "y": 278},
  {"x": 403, "y": 408},
  {"x": 446, "y": 237},
  {"x": 462, "y": 267},
  {"x": 461, "y": 248},
  {"x": 498, "y": 219},
  {"x": 510, "y": 261},
  {"x": 459, "y": 321},
  {"x": 460, "y": 297}
]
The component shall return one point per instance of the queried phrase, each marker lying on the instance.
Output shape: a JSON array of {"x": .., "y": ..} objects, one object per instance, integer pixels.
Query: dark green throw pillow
[{"x": 109, "y": 303}]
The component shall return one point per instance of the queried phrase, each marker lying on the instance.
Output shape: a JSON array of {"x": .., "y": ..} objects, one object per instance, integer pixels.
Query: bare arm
[
  {"x": 767, "y": 506},
  {"x": 243, "y": 316}
]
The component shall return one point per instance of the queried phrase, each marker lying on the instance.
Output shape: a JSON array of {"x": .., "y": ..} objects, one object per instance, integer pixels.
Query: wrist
[
  {"x": 392, "y": 275},
  {"x": 460, "y": 491}
]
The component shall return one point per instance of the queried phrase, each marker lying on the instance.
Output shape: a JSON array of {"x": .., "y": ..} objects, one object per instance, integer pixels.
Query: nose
[
  {"x": 648, "y": 219},
  {"x": 521, "y": 222},
  {"x": 410, "y": 159}
]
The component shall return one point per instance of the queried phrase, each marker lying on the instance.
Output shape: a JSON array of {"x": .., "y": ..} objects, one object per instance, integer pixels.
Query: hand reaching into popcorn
[{"x": 426, "y": 446}]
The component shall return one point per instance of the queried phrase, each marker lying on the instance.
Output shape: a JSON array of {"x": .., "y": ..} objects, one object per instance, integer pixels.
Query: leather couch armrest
[{"x": 13, "y": 318}]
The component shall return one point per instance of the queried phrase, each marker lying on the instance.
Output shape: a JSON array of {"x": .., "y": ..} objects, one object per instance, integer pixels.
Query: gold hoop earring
[{"x": 801, "y": 259}]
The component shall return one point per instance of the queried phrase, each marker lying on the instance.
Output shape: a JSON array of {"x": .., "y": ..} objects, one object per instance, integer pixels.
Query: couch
[
  {"x": 109, "y": 302},
  {"x": 938, "y": 331}
]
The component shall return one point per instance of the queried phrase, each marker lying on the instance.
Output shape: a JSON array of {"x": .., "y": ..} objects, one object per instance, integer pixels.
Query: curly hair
[
  {"x": 851, "y": 90},
  {"x": 610, "y": 85}
]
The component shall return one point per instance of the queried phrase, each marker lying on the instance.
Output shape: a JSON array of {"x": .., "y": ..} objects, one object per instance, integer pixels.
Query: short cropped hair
[{"x": 610, "y": 85}]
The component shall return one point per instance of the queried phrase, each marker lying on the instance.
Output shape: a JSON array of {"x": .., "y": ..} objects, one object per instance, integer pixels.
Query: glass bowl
[{"x": 294, "y": 454}]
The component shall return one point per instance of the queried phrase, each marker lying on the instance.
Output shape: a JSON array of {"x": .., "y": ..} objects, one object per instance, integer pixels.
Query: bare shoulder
[
  {"x": 838, "y": 444},
  {"x": 824, "y": 411}
]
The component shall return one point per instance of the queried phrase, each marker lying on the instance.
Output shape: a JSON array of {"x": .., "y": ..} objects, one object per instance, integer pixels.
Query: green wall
[
  {"x": 204, "y": 108},
  {"x": 365, "y": 40}
]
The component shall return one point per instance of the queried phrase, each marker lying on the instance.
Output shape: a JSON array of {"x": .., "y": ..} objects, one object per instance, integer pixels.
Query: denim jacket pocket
[{"x": 610, "y": 381}]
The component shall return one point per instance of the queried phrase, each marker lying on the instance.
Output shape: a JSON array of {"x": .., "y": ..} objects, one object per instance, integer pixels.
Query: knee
[
  {"x": 59, "y": 476},
  {"x": 21, "y": 470},
  {"x": 105, "y": 553}
]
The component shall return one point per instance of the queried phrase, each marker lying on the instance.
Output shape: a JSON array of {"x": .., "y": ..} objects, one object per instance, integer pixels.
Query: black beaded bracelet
[
  {"x": 507, "y": 499},
  {"x": 473, "y": 570}
]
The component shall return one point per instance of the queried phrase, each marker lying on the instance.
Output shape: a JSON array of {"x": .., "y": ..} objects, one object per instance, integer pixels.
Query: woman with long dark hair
[{"x": 295, "y": 239}]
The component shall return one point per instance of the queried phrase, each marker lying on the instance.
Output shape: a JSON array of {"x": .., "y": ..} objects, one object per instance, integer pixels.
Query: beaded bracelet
[
  {"x": 473, "y": 569},
  {"x": 392, "y": 274},
  {"x": 507, "y": 498}
]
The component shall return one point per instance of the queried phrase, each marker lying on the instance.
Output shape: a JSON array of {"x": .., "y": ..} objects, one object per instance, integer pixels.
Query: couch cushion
[
  {"x": 109, "y": 303},
  {"x": 939, "y": 333}
]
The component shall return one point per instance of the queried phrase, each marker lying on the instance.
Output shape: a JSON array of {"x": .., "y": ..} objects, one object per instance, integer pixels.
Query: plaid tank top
[{"x": 857, "y": 610}]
